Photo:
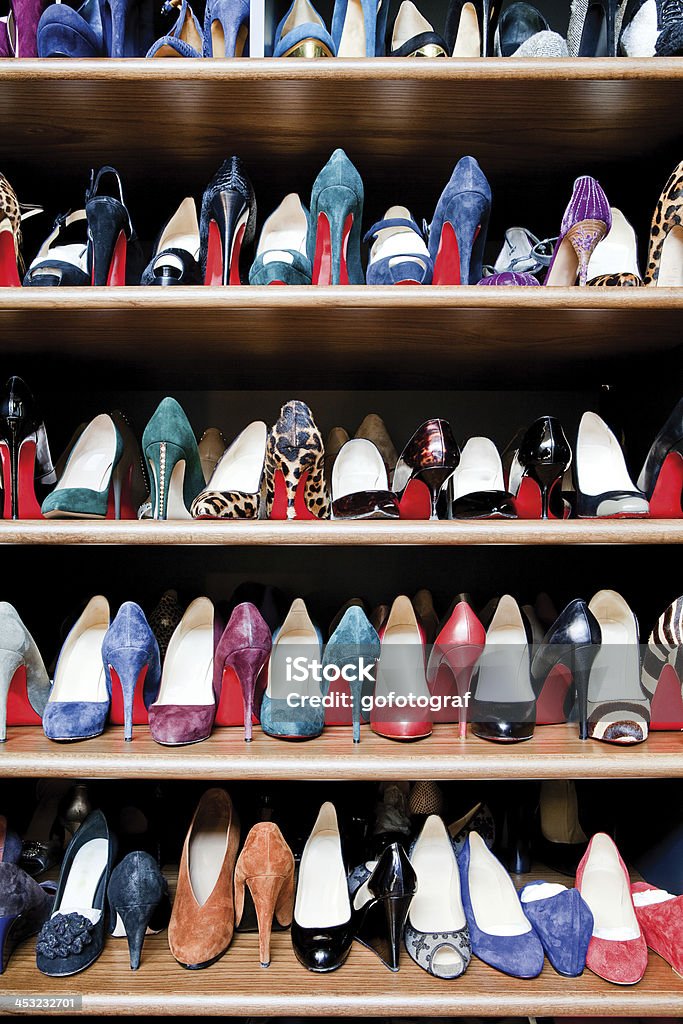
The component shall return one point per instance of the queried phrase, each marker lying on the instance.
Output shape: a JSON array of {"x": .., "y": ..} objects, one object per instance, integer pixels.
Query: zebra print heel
[{"x": 662, "y": 673}]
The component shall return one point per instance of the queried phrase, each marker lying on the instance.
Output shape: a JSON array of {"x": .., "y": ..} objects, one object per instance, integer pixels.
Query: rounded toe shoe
[
  {"x": 564, "y": 924},
  {"x": 175, "y": 725},
  {"x": 322, "y": 949},
  {"x": 74, "y": 719},
  {"x": 75, "y": 501},
  {"x": 621, "y": 962}
]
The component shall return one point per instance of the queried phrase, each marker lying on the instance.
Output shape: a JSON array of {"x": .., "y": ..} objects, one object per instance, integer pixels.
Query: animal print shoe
[
  {"x": 664, "y": 263},
  {"x": 234, "y": 490},
  {"x": 294, "y": 477}
]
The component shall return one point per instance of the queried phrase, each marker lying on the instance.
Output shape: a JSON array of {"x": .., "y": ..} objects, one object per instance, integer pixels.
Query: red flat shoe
[
  {"x": 617, "y": 950},
  {"x": 660, "y": 915},
  {"x": 453, "y": 659},
  {"x": 401, "y": 708}
]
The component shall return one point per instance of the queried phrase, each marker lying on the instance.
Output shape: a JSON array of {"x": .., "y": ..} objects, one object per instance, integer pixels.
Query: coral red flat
[{"x": 660, "y": 916}]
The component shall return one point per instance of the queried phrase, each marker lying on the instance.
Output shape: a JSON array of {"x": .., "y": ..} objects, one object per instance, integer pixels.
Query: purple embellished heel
[{"x": 586, "y": 221}]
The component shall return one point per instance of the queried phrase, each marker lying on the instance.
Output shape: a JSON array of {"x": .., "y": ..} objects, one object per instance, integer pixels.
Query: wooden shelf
[
  {"x": 237, "y": 985},
  {"x": 421, "y": 337},
  {"x": 333, "y": 534},
  {"x": 554, "y": 752}
]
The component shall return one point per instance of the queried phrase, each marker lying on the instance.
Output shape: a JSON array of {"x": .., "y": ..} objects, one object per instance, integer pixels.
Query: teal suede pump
[{"x": 172, "y": 460}]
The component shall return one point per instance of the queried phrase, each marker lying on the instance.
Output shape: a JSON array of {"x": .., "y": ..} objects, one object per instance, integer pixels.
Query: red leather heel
[
  {"x": 453, "y": 659},
  {"x": 19, "y": 710},
  {"x": 665, "y": 502},
  {"x": 666, "y": 706},
  {"x": 116, "y": 713},
  {"x": 28, "y": 506},
  {"x": 9, "y": 274}
]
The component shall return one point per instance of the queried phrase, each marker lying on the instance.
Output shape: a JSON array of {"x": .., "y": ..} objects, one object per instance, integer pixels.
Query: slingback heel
[
  {"x": 334, "y": 232},
  {"x": 130, "y": 655},
  {"x": 381, "y": 905},
  {"x": 241, "y": 653},
  {"x": 139, "y": 903},
  {"x": 265, "y": 868},
  {"x": 109, "y": 230},
  {"x": 228, "y": 223}
]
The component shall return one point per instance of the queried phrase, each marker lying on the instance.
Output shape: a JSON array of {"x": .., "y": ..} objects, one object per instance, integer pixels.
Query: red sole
[
  {"x": 9, "y": 274},
  {"x": 231, "y": 707},
  {"x": 126, "y": 509},
  {"x": 116, "y": 715},
  {"x": 279, "y": 509},
  {"x": 666, "y": 708},
  {"x": 402, "y": 730},
  {"x": 117, "y": 270},
  {"x": 416, "y": 502},
  {"x": 322, "y": 262},
  {"x": 665, "y": 502},
  {"x": 215, "y": 257},
  {"x": 19, "y": 710},
  {"x": 447, "y": 262},
  {"x": 528, "y": 503},
  {"x": 29, "y": 507},
  {"x": 551, "y": 700}
]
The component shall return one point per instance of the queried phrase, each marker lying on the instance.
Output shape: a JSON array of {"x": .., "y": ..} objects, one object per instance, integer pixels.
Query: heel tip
[{"x": 265, "y": 965}]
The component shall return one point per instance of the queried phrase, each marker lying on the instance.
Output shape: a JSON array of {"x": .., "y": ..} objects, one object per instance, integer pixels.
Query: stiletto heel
[
  {"x": 543, "y": 457},
  {"x": 138, "y": 902},
  {"x": 294, "y": 471},
  {"x": 226, "y": 28},
  {"x": 266, "y": 867},
  {"x": 456, "y": 651},
  {"x": 381, "y": 904},
  {"x": 228, "y": 222},
  {"x": 661, "y": 478},
  {"x": 130, "y": 655},
  {"x": 334, "y": 226},
  {"x": 585, "y": 223},
  {"x": 457, "y": 234},
  {"x": 241, "y": 653},
  {"x": 173, "y": 464},
  {"x": 591, "y": 31},
  {"x": 581, "y": 670},
  {"x": 571, "y": 643},
  {"x": 24, "y": 682},
  {"x": 431, "y": 457},
  {"x": 128, "y": 27},
  {"x": 109, "y": 230},
  {"x": 354, "y": 640},
  {"x": 25, "y": 459}
]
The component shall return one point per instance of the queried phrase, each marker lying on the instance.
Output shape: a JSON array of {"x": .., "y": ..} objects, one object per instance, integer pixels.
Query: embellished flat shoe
[
  {"x": 563, "y": 922},
  {"x": 234, "y": 490}
]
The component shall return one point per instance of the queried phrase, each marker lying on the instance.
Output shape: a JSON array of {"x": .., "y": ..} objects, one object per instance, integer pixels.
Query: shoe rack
[{"x": 166, "y": 125}]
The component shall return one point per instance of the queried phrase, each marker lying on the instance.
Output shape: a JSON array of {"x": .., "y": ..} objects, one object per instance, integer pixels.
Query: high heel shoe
[
  {"x": 211, "y": 448},
  {"x": 592, "y": 28},
  {"x": 504, "y": 704},
  {"x": 62, "y": 260},
  {"x": 24, "y": 682},
  {"x": 399, "y": 254},
  {"x": 25, "y": 460},
  {"x": 586, "y": 221},
  {"x": 203, "y": 917},
  {"x": 78, "y": 704},
  {"x": 265, "y": 870},
  {"x": 11, "y": 260},
  {"x": 227, "y": 223},
  {"x": 401, "y": 673},
  {"x": 522, "y": 31},
  {"x": 617, "y": 951},
  {"x": 64, "y": 31},
  {"x": 242, "y": 651},
  {"x": 457, "y": 234},
  {"x": 649, "y": 28},
  {"x": 500, "y": 933},
  {"x": 130, "y": 655},
  {"x": 618, "y": 707},
  {"x": 43, "y": 844},
  {"x": 109, "y": 226},
  {"x": 226, "y": 28},
  {"x": 538, "y": 465},
  {"x": 322, "y": 925},
  {"x": 185, "y": 707},
  {"x": 303, "y": 33},
  {"x": 24, "y": 907},
  {"x": 75, "y": 808},
  {"x": 128, "y": 27},
  {"x": 436, "y": 932},
  {"x": 662, "y": 673},
  {"x": 354, "y": 28},
  {"x": 453, "y": 659},
  {"x": 614, "y": 260},
  {"x": 22, "y": 22},
  {"x": 572, "y": 642},
  {"x": 282, "y": 714},
  {"x": 334, "y": 223},
  {"x": 360, "y": 489},
  {"x": 96, "y": 482},
  {"x": 176, "y": 254},
  {"x": 661, "y": 478},
  {"x": 469, "y": 24},
  {"x": 72, "y": 939},
  {"x": 429, "y": 459},
  {"x": 281, "y": 251},
  {"x": 172, "y": 461},
  {"x": 381, "y": 902},
  {"x": 139, "y": 903},
  {"x": 477, "y": 489},
  {"x": 414, "y": 36},
  {"x": 295, "y": 460},
  {"x": 234, "y": 490},
  {"x": 186, "y": 38},
  {"x": 603, "y": 485},
  {"x": 373, "y": 428},
  {"x": 353, "y": 642}
]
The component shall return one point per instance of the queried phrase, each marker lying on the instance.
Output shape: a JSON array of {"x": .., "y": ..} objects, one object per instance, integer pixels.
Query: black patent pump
[
  {"x": 378, "y": 922},
  {"x": 545, "y": 455}
]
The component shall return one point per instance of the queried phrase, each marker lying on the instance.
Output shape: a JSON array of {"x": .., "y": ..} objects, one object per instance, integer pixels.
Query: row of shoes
[
  {"x": 321, "y": 244},
  {"x": 445, "y": 899},
  {"x": 398, "y": 667},
  {"x": 288, "y": 472},
  {"x": 473, "y": 28}
]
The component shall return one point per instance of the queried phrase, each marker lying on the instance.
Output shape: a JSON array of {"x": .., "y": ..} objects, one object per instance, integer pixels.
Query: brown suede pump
[
  {"x": 266, "y": 865},
  {"x": 203, "y": 918}
]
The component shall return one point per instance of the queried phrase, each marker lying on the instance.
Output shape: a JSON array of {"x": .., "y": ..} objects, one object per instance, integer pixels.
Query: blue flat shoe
[
  {"x": 303, "y": 33},
  {"x": 399, "y": 253},
  {"x": 185, "y": 39},
  {"x": 563, "y": 922}
]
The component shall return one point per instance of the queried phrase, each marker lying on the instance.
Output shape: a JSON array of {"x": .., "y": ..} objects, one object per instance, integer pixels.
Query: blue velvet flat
[
  {"x": 563, "y": 922},
  {"x": 130, "y": 655},
  {"x": 399, "y": 254},
  {"x": 283, "y": 711},
  {"x": 302, "y": 33},
  {"x": 500, "y": 933}
]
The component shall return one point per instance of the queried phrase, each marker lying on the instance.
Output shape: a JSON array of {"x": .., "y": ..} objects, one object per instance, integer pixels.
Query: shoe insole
[
  {"x": 437, "y": 904},
  {"x": 615, "y": 674},
  {"x": 83, "y": 881},
  {"x": 409, "y": 23},
  {"x": 91, "y": 461},
  {"x": 468, "y": 39},
  {"x": 241, "y": 468},
  {"x": 188, "y": 672},
  {"x": 565, "y": 268},
  {"x": 292, "y": 655},
  {"x": 358, "y": 467},
  {"x": 601, "y": 465},
  {"x": 322, "y": 897},
  {"x": 671, "y": 263},
  {"x": 495, "y": 905},
  {"x": 353, "y": 41},
  {"x": 480, "y": 468},
  {"x": 206, "y": 855},
  {"x": 80, "y": 672},
  {"x": 278, "y": 239},
  {"x": 401, "y": 667},
  {"x": 617, "y": 252},
  {"x": 504, "y": 675},
  {"x": 607, "y": 891}
]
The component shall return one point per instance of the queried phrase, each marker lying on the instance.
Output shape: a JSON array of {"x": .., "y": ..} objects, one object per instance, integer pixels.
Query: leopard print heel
[
  {"x": 664, "y": 265},
  {"x": 295, "y": 456},
  {"x": 625, "y": 280},
  {"x": 11, "y": 262}
]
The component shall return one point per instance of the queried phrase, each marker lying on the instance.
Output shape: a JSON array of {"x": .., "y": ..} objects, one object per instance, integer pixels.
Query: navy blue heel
[{"x": 457, "y": 235}]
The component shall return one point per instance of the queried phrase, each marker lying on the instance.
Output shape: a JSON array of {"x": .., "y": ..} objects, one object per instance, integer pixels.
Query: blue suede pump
[
  {"x": 65, "y": 32},
  {"x": 226, "y": 28},
  {"x": 130, "y": 655},
  {"x": 285, "y": 711},
  {"x": 303, "y": 33},
  {"x": 353, "y": 639},
  {"x": 457, "y": 235}
]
